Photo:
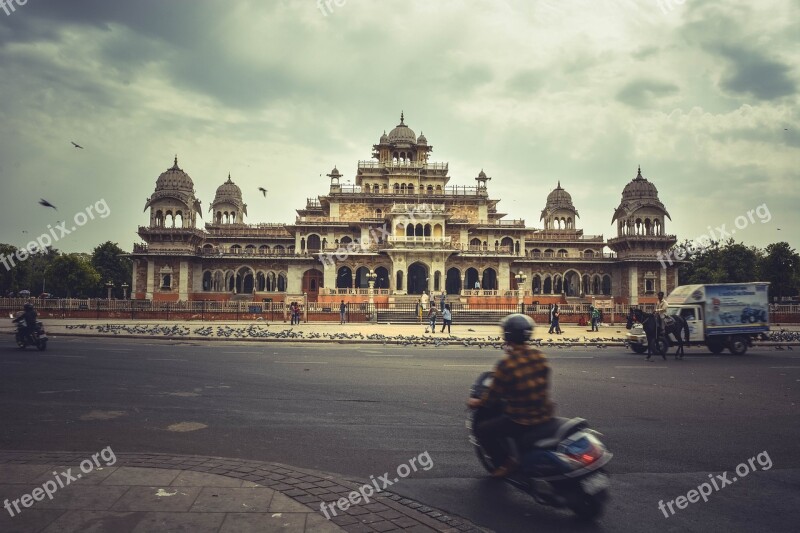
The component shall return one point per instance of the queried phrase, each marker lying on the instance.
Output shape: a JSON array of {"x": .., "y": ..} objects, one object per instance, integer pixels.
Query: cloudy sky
[{"x": 702, "y": 94}]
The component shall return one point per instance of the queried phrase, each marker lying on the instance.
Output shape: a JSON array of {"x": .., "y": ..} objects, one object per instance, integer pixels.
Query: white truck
[{"x": 722, "y": 315}]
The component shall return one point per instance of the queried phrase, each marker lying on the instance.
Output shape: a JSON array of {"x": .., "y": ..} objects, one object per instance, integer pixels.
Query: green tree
[
  {"x": 781, "y": 267},
  {"x": 728, "y": 262},
  {"x": 71, "y": 275},
  {"x": 109, "y": 262}
]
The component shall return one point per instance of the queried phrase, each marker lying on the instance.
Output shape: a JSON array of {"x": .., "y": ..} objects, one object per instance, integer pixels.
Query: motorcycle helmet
[{"x": 517, "y": 328}]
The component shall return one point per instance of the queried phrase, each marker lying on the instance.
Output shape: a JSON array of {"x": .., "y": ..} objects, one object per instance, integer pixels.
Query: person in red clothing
[{"x": 522, "y": 382}]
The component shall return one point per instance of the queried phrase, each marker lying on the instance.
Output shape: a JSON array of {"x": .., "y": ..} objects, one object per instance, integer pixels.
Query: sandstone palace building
[{"x": 401, "y": 229}]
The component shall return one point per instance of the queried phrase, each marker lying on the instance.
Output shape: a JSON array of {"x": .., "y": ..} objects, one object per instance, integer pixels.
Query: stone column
[
  {"x": 633, "y": 284},
  {"x": 183, "y": 283},
  {"x": 151, "y": 272}
]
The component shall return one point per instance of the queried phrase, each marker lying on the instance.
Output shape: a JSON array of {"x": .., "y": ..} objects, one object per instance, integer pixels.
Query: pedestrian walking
[
  {"x": 431, "y": 320},
  {"x": 595, "y": 318},
  {"x": 447, "y": 318},
  {"x": 554, "y": 314},
  {"x": 442, "y": 300},
  {"x": 342, "y": 312}
]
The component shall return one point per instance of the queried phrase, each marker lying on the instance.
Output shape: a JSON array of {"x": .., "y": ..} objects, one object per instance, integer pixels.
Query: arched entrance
[
  {"x": 244, "y": 281},
  {"x": 470, "y": 278},
  {"x": 382, "y": 281},
  {"x": 572, "y": 283},
  {"x": 452, "y": 283},
  {"x": 361, "y": 278},
  {"x": 312, "y": 282},
  {"x": 344, "y": 278},
  {"x": 489, "y": 281},
  {"x": 417, "y": 278}
]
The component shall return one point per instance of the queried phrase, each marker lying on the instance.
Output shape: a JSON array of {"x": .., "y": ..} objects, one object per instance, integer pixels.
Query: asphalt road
[{"x": 365, "y": 410}]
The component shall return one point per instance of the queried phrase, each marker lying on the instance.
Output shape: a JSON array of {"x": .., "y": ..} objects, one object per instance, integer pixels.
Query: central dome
[
  {"x": 175, "y": 179},
  {"x": 402, "y": 133}
]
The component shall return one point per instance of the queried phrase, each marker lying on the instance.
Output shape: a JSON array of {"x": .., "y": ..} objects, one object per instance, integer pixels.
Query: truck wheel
[
  {"x": 715, "y": 346},
  {"x": 738, "y": 345},
  {"x": 638, "y": 348}
]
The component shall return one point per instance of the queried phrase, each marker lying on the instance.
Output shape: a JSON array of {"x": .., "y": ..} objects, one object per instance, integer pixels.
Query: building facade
[{"x": 400, "y": 230}]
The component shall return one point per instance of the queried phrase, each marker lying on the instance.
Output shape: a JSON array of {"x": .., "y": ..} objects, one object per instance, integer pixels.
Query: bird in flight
[
  {"x": 45, "y": 203},
  {"x": 263, "y": 191},
  {"x": 76, "y": 145}
]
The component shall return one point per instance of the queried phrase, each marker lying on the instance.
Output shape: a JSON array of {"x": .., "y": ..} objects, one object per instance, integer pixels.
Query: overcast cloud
[{"x": 703, "y": 95}]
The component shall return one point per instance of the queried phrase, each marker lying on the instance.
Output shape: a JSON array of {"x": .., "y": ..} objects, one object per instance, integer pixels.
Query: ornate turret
[
  {"x": 558, "y": 212},
  {"x": 402, "y": 145},
  {"x": 173, "y": 204},
  {"x": 640, "y": 212},
  {"x": 228, "y": 207}
]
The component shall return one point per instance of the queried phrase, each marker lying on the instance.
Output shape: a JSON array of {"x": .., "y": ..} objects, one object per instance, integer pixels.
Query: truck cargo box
[{"x": 728, "y": 308}]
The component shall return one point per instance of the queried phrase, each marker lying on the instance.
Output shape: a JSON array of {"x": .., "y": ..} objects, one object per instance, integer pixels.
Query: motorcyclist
[
  {"x": 29, "y": 316},
  {"x": 661, "y": 313},
  {"x": 522, "y": 381}
]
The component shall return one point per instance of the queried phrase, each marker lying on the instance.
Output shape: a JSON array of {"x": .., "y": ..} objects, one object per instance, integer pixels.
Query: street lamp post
[
  {"x": 521, "y": 279},
  {"x": 109, "y": 286},
  {"x": 371, "y": 277},
  {"x": 125, "y": 291}
]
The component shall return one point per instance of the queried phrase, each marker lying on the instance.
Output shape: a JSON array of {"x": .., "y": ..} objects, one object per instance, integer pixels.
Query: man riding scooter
[
  {"x": 522, "y": 381},
  {"x": 29, "y": 316}
]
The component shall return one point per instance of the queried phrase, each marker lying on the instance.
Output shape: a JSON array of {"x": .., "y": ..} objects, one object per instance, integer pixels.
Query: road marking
[
  {"x": 369, "y": 351},
  {"x": 388, "y": 355},
  {"x": 303, "y": 362},
  {"x": 119, "y": 349}
]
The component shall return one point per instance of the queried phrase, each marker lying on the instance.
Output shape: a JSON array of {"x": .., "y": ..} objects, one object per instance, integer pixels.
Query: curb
[{"x": 307, "y": 487}]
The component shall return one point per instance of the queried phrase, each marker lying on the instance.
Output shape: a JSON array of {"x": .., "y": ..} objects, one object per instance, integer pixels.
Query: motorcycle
[
  {"x": 37, "y": 338},
  {"x": 560, "y": 465}
]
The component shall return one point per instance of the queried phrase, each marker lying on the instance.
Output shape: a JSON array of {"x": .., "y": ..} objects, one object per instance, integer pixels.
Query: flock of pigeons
[{"x": 257, "y": 331}]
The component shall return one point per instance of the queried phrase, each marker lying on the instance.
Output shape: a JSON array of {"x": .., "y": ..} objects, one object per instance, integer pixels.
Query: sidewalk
[
  {"x": 311, "y": 332},
  {"x": 155, "y": 492}
]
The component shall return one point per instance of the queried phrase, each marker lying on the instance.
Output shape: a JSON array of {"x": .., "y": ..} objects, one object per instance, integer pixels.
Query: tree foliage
[
  {"x": 109, "y": 262},
  {"x": 732, "y": 262},
  {"x": 73, "y": 276}
]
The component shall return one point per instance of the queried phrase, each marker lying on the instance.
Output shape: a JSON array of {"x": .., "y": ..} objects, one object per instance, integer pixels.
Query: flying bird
[
  {"x": 263, "y": 191},
  {"x": 45, "y": 203},
  {"x": 76, "y": 145}
]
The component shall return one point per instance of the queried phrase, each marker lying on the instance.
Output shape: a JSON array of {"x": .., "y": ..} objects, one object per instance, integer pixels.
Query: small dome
[
  {"x": 637, "y": 194},
  {"x": 558, "y": 200},
  {"x": 175, "y": 179},
  {"x": 384, "y": 138},
  {"x": 335, "y": 173},
  {"x": 639, "y": 188},
  {"x": 422, "y": 139},
  {"x": 402, "y": 133},
  {"x": 482, "y": 175},
  {"x": 228, "y": 192}
]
